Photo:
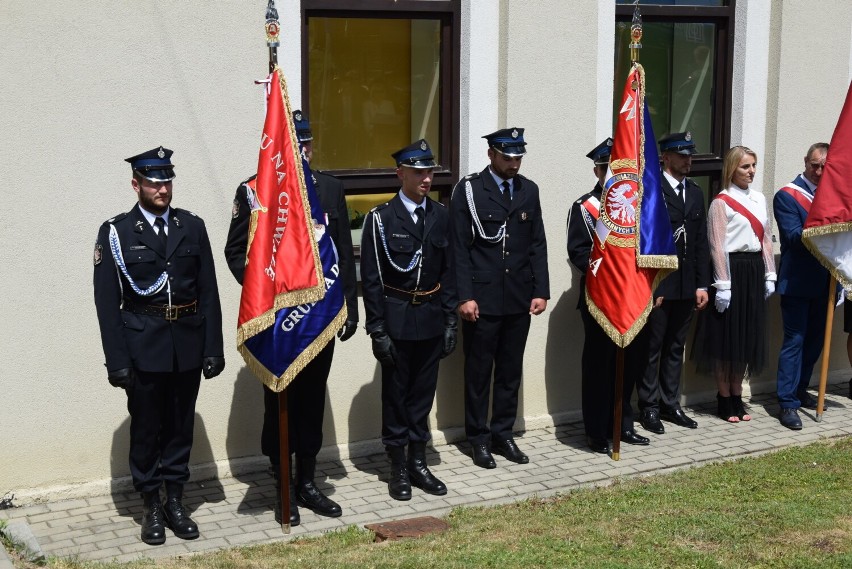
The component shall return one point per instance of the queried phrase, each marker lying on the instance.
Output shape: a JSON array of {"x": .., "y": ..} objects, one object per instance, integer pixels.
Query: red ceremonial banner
[
  {"x": 618, "y": 290},
  {"x": 283, "y": 267},
  {"x": 828, "y": 227}
]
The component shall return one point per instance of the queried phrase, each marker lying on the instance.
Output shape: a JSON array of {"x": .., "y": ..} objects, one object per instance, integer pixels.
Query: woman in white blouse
[{"x": 732, "y": 340}]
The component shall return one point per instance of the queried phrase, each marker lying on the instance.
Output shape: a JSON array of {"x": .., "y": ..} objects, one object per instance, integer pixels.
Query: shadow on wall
[
  {"x": 127, "y": 501},
  {"x": 449, "y": 397},
  {"x": 563, "y": 353}
]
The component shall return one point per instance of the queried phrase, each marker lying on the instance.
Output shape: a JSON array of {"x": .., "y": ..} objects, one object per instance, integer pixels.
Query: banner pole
[
  {"x": 617, "y": 407},
  {"x": 826, "y": 348}
]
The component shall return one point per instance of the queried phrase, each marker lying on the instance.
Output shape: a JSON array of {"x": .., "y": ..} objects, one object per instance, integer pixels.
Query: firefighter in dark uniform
[
  {"x": 161, "y": 327},
  {"x": 306, "y": 393},
  {"x": 680, "y": 294},
  {"x": 501, "y": 264},
  {"x": 410, "y": 300},
  {"x": 599, "y": 351}
]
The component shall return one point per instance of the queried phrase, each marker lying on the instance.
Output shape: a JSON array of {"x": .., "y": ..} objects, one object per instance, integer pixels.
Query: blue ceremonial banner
[
  {"x": 301, "y": 332},
  {"x": 655, "y": 229}
]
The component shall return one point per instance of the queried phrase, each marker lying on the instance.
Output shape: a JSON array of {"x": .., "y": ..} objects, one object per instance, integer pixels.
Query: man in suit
[
  {"x": 410, "y": 300},
  {"x": 680, "y": 294},
  {"x": 161, "y": 327},
  {"x": 501, "y": 263},
  {"x": 599, "y": 351},
  {"x": 306, "y": 393},
  {"x": 803, "y": 284}
]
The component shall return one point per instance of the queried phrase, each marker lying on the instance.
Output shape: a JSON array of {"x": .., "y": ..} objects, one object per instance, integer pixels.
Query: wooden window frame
[{"x": 724, "y": 18}]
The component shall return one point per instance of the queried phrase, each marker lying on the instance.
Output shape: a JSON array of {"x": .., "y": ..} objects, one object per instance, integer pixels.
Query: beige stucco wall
[{"x": 90, "y": 82}]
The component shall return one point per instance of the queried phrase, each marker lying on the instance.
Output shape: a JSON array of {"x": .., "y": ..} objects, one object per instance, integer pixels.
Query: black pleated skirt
[{"x": 734, "y": 340}]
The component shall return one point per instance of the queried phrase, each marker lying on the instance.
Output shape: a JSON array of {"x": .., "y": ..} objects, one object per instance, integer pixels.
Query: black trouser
[
  {"x": 305, "y": 410},
  {"x": 162, "y": 416},
  {"x": 667, "y": 327},
  {"x": 493, "y": 344},
  {"x": 598, "y": 384},
  {"x": 408, "y": 391}
]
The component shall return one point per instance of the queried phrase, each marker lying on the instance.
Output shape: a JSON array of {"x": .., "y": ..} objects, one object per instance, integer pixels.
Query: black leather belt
[
  {"x": 172, "y": 312},
  {"x": 413, "y": 296}
]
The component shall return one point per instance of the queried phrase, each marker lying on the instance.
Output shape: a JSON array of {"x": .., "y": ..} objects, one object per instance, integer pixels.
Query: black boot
[
  {"x": 308, "y": 494},
  {"x": 418, "y": 471},
  {"x": 726, "y": 408},
  {"x": 295, "y": 519},
  {"x": 399, "y": 487},
  {"x": 176, "y": 517},
  {"x": 153, "y": 521}
]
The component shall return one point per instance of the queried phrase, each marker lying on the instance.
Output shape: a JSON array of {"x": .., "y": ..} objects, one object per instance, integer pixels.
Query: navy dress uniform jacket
[
  {"x": 152, "y": 343},
  {"x": 502, "y": 276},
  {"x": 693, "y": 250},
  {"x": 333, "y": 201},
  {"x": 403, "y": 320},
  {"x": 581, "y": 227},
  {"x": 800, "y": 273}
]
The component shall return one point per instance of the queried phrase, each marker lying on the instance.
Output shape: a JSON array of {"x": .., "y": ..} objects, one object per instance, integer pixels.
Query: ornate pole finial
[
  {"x": 635, "y": 33},
  {"x": 273, "y": 29}
]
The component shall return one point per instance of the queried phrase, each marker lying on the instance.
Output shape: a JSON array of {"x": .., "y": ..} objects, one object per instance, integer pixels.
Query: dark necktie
[
  {"x": 679, "y": 190},
  {"x": 161, "y": 230},
  {"x": 507, "y": 195},
  {"x": 421, "y": 219}
]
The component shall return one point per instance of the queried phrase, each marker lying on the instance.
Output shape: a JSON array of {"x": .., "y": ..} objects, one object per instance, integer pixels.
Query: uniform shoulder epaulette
[
  {"x": 583, "y": 198},
  {"x": 521, "y": 176},
  {"x": 249, "y": 179},
  {"x": 472, "y": 176},
  {"x": 436, "y": 202},
  {"x": 118, "y": 217},
  {"x": 380, "y": 206},
  {"x": 185, "y": 211}
]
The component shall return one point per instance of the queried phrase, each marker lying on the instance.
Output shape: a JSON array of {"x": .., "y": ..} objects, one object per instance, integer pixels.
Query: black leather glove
[
  {"x": 383, "y": 348},
  {"x": 449, "y": 341},
  {"x": 123, "y": 378},
  {"x": 212, "y": 366},
  {"x": 347, "y": 330}
]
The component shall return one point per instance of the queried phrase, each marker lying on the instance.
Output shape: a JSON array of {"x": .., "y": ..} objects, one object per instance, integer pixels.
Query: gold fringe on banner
[
  {"x": 620, "y": 340},
  {"x": 278, "y": 384},
  {"x": 821, "y": 231}
]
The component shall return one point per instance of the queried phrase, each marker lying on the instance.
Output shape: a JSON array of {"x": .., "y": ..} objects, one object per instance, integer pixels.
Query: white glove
[
  {"x": 723, "y": 300},
  {"x": 768, "y": 289}
]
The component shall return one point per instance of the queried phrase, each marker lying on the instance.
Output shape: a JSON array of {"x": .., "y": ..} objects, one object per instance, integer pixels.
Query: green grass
[{"x": 790, "y": 509}]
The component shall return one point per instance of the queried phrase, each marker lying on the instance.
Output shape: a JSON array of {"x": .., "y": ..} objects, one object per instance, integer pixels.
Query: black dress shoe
[
  {"x": 807, "y": 401},
  {"x": 650, "y": 421},
  {"x": 153, "y": 519},
  {"x": 508, "y": 449},
  {"x": 311, "y": 497},
  {"x": 630, "y": 437},
  {"x": 482, "y": 457},
  {"x": 598, "y": 445},
  {"x": 178, "y": 520},
  {"x": 790, "y": 419},
  {"x": 678, "y": 417},
  {"x": 419, "y": 473},
  {"x": 399, "y": 486}
]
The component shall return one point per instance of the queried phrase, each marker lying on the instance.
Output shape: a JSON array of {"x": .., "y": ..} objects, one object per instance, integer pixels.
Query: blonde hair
[{"x": 732, "y": 161}]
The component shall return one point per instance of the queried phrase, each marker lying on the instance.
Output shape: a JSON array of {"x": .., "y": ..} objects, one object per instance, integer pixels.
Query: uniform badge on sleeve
[
  {"x": 99, "y": 254},
  {"x": 235, "y": 211}
]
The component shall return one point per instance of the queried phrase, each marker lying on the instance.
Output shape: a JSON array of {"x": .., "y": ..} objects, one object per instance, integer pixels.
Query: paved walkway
[{"x": 238, "y": 511}]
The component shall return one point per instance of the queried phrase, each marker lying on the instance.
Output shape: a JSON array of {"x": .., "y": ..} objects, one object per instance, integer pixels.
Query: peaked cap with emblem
[
  {"x": 155, "y": 164},
  {"x": 508, "y": 141},
  {"x": 679, "y": 142},
  {"x": 415, "y": 155},
  {"x": 303, "y": 127},
  {"x": 600, "y": 154}
]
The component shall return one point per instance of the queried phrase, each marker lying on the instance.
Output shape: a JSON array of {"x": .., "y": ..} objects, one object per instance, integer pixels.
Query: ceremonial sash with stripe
[
  {"x": 802, "y": 197},
  {"x": 756, "y": 226}
]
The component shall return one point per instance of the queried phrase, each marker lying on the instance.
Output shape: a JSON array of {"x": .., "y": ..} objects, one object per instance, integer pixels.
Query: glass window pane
[
  {"x": 374, "y": 88},
  {"x": 679, "y": 69}
]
